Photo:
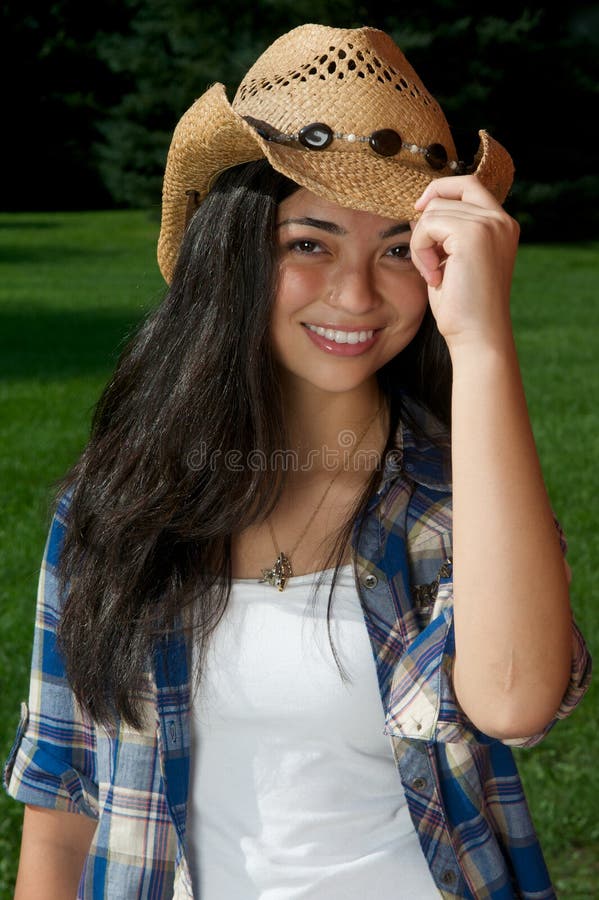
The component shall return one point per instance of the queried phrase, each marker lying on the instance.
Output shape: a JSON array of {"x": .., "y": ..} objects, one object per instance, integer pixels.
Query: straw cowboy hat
[{"x": 339, "y": 111}]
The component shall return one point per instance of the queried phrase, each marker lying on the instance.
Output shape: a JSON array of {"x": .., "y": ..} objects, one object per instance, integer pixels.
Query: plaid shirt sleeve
[
  {"x": 422, "y": 701},
  {"x": 52, "y": 762}
]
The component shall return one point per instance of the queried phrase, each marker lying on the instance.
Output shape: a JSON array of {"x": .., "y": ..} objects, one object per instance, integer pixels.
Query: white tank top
[{"x": 294, "y": 789}]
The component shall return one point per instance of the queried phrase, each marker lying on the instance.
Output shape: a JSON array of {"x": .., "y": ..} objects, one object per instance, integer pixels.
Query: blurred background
[{"x": 91, "y": 95}]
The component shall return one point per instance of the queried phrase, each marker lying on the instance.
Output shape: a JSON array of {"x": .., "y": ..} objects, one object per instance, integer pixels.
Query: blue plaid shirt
[{"x": 462, "y": 787}]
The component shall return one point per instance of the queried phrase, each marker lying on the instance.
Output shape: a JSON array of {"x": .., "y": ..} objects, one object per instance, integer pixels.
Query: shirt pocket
[{"x": 431, "y": 597}]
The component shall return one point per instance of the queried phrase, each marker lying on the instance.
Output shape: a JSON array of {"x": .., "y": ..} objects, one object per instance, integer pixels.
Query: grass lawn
[{"x": 72, "y": 286}]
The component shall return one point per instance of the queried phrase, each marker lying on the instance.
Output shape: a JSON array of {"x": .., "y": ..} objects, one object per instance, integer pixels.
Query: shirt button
[
  {"x": 371, "y": 581},
  {"x": 419, "y": 784},
  {"x": 448, "y": 877}
]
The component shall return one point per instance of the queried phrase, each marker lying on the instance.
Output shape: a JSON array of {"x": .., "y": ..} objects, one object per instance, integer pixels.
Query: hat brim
[{"x": 211, "y": 137}]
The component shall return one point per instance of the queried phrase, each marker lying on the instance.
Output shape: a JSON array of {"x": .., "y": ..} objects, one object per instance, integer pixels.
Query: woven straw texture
[{"x": 356, "y": 81}]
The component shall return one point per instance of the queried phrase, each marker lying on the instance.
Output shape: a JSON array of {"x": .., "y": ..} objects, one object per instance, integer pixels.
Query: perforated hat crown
[{"x": 339, "y": 111}]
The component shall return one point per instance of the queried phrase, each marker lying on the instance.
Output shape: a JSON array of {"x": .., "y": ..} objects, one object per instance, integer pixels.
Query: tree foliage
[
  {"x": 56, "y": 89},
  {"x": 105, "y": 93}
]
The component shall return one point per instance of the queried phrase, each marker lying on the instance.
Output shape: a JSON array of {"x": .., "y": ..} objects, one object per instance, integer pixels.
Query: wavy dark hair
[{"x": 148, "y": 534}]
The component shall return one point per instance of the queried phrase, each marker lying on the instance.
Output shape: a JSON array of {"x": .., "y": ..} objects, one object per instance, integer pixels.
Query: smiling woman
[{"x": 330, "y": 382}]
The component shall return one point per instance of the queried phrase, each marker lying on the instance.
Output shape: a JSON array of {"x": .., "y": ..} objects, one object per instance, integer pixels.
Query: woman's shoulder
[{"x": 423, "y": 444}]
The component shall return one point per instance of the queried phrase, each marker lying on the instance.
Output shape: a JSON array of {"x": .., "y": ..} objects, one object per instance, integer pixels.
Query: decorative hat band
[{"x": 384, "y": 142}]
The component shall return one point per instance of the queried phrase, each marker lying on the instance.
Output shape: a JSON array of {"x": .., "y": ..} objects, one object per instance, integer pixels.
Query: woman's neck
[{"x": 325, "y": 428}]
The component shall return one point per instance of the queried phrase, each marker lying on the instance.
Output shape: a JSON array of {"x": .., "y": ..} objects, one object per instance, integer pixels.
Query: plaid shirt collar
[{"x": 423, "y": 460}]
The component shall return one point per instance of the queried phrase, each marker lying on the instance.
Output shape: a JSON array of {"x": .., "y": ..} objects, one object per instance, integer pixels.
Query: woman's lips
[{"x": 330, "y": 346}]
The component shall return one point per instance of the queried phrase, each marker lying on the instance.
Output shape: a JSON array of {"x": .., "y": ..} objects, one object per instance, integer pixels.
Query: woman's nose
[{"x": 354, "y": 289}]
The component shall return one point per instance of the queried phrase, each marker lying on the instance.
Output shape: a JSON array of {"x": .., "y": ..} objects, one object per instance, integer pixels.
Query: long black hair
[{"x": 153, "y": 505}]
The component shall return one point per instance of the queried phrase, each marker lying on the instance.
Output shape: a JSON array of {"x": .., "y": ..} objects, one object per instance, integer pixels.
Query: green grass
[
  {"x": 71, "y": 288},
  {"x": 555, "y": 321}
]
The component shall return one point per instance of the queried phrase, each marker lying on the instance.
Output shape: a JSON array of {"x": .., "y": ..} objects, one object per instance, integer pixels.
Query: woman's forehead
[{"x": 305, "y": 204}]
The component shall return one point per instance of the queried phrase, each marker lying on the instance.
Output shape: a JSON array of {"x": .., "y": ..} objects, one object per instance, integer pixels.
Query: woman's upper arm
[
  {"x": 53, "y": 759},
  {"x": 53, "y": 850}
]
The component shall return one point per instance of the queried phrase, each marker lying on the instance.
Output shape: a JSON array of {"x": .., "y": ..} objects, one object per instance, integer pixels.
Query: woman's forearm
[
  {"x": 512, "y": 612},
  {"x": 53, "y": 850}
]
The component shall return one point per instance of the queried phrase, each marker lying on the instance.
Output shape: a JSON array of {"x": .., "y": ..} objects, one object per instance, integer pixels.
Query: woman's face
[{"x": 348, "y": 297}]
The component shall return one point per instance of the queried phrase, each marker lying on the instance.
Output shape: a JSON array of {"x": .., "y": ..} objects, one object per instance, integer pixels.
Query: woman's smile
[{"x": 341, "y": 342}]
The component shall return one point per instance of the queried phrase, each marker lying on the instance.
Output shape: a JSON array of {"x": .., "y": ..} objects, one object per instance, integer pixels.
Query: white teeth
[{"x": 342, "y": 337}]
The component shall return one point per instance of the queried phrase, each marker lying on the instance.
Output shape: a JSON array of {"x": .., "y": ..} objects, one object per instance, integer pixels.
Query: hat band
[{"x": 384, "y": 142}]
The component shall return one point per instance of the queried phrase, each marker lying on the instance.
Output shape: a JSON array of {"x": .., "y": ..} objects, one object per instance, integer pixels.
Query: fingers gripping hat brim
[{"x": 211, "y": 137}]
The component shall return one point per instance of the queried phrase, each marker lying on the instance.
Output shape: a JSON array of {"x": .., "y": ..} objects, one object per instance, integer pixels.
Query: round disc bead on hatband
[
  {"x": 385, "y": 142},
  {"x": 316, "y": 136}
]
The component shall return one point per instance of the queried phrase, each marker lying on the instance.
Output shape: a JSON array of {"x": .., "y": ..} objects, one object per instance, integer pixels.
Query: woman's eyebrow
[
  {"x": 314, "y": 223},
  {"x": 395, "y": 229},
  {"x": 333, "y": 228}
]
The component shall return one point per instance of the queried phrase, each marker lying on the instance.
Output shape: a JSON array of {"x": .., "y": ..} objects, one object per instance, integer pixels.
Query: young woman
[{"x": 268, "y": 661}]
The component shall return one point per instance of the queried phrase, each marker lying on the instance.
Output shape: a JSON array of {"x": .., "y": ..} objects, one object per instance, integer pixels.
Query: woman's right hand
[{"x": 464, "y": 245}]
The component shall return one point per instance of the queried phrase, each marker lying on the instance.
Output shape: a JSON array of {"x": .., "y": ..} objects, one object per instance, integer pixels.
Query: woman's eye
[
  {"x": 401, "y": 251},
  {"x": 305, "y": 246}
]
